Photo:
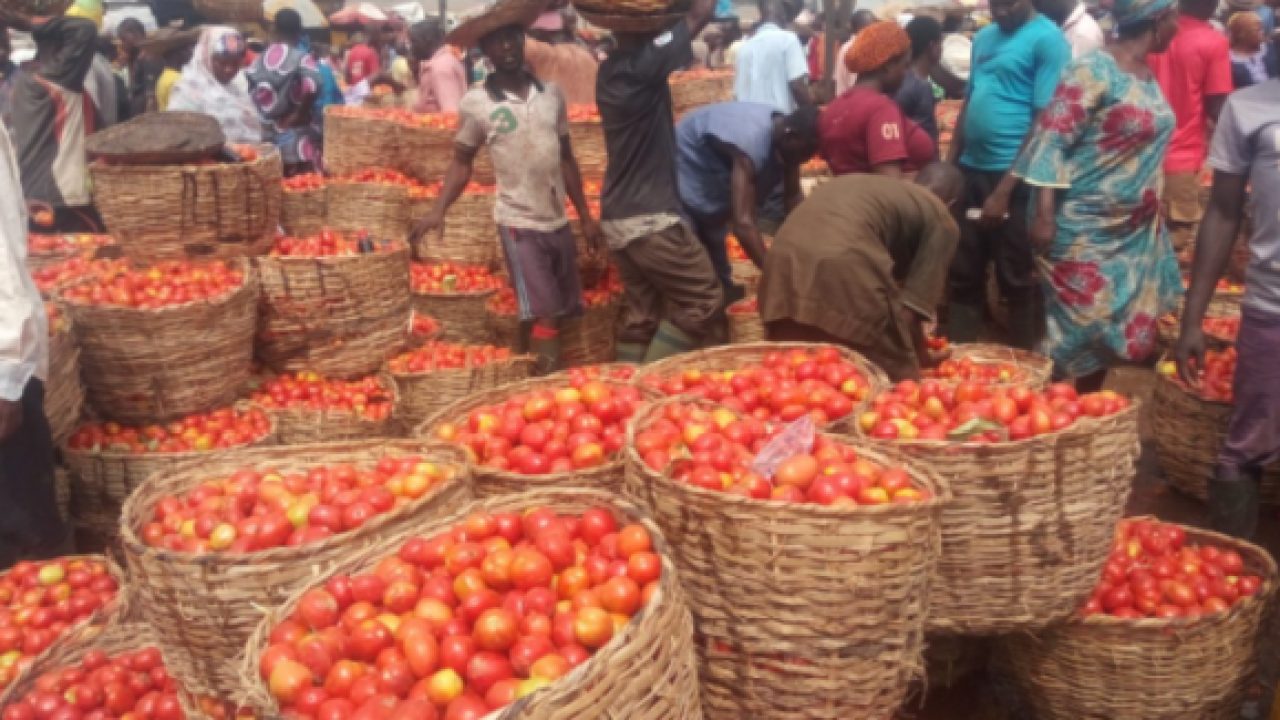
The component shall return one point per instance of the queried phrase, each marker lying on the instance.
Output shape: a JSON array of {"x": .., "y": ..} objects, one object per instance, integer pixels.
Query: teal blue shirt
[{"x": 1013, "y": 77}]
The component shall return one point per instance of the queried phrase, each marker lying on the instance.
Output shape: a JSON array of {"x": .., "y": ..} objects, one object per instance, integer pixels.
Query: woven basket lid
[{"x": 158, "y": 138}]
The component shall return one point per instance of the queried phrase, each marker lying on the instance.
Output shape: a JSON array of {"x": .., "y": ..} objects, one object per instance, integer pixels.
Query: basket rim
[
  {"x": 876, "y": 377},
  {"x": 133, "y": 544},
  {"x": 510, "y": 361},
  {"x": 381, "y": 375},
  {"x": 461, "y": 295},
  {"x": 266, "y": 154},
  {"x": 244, "y": 406},
  {"x": 1169, "y": 384},
  {"x": 247, "y": 284},
  {"x": 395, "y": 247}
]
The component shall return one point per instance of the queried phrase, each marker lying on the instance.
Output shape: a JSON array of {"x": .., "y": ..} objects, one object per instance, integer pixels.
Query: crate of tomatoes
[
  {"x": 456, "y": 294},
  {"x": 1189, "y": 425},
  {"x": 807, "y": 558},
  {"x": 438, "y": 374},
  {"x": 210, "y": 545},
  {"x": 1039, "y": 477},
  {"x": 541, "y": 605},
  {"x": 1171, "y": 630},
  {"x": 308, "y": 407}
]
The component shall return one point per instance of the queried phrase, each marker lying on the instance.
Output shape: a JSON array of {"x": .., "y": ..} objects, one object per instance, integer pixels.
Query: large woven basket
[
  {"x": 353, "y": 142},
  {"x": 300, "y": 426},
  {"x": 304, "y": 212},
  {"x": 219, "y": 209},
  {"x": 424, "y": 394},
  {"x": 470, "y": 234},
  {"x": 1030, "y": 526},
  {"x": 801, "y": 610},
  {"x": 1185, "y": 669},
  {"x": 426, "y": 153},
  {"x": 463, "y": 315},
  {"x": 144, "y": 366},
  {"x": 734, "y": 357},
  {"x": 488, "y": 482},
  {"x": 584, "y": 340},
  {"x": 647, "y": 672},
  {"x": 1189, "y": 432},
  {"x": 1036, "y": 369},
  {"x": 64, "y": 395},
  {"x": 381, "y": 209},
  {"x": 692, "y": 90},
  {"x": 589, "y": 150},
  {"x": 338, "y": 316},
  {"x": 209, "y": 604}
]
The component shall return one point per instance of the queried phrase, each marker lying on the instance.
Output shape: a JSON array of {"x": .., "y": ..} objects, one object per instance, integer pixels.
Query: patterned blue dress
[{"x": 1110, "y": 272}]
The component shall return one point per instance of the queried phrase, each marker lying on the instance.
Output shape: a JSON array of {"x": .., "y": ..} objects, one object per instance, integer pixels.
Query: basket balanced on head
[
  {"x": 333, "y": 304},
  {"x": 1184, "y": 662},
  {"x": 220, "y": 209},
  {"x": 319, "y": 504},
  {"x": 167, "y": 340},
  {"x": 526, "y": 416},
  {"x": 631, "y": 658},
  {"x": 1027, "y": 496},
  {"x": 807, "y": 564}
]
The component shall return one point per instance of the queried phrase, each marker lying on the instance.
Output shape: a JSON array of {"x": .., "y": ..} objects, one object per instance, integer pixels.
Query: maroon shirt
[{"x": 864, "y": 128}]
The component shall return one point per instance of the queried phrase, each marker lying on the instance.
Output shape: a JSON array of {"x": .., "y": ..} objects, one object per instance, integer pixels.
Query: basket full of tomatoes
[
  {"x": 373, "y": 200},
  {"x": 308, "y": 407},
  {"x": 587, "y": 339},
  {"x": 1039, "y": 477},
  {"x": 304, "y": 205},
  {"x": 546, "y": 604},
  {"x": 470, "y": 233},
  {"x": 992, "y": 364},
  {"x": 807, "y": 558},
  {"x": 210, "y": 545},
  {"x": 1189, "y": 425},
  {"x": 1170, "y": 631},
  {"x": 438, "y": 374},
  {"x": 332, "y": 303},
  {"x": 456, "y": 294}
]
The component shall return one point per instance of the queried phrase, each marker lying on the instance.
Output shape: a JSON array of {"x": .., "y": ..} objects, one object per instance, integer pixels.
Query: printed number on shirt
[{"x": 890, "y": 131}]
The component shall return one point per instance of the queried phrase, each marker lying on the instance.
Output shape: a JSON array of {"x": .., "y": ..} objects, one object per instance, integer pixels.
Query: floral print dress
[{"x": 1111, "y": 271}]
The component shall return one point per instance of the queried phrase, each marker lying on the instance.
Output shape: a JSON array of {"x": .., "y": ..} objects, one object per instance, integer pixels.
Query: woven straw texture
[
  {"x": 303, "y": 212},
  {"x": 620, "y": 23},
  {"x": 734, "y": 357},
  {"x": 801, "y": 611},
  {"x": 381, "y": 209},
  {"x": 455, "y": 243},
  {"x": 424, "y": 153},
  {"x": 1188, "y": 432},
  {"x": 745, "y": 327},
  {"x": 62, "y": 492},
  {"x": 585, "y": 340},
  {"x": 463, "y": 315},
  {"x": 355, "y": 143},
  {"x": 338, "y": 316},
  {"x": 300, "y": 426},
  {"x": 424, "y": 394},
  {"x": 647, "y": 672},
  {"x": 144, "y": 366},
  {"x": 488, "y": 482},
  {"x": 627, "y": 7},
  {"x": 221, "y": 209},
  {"x": 746, "y": 274},
  {"x": 209, "y": 604},
  {"x": 1045, "y": 505},
  {"x": 64, "y": 395},
  {"x": 692, "y": 91},
  {"x": 1037, "y": 369},
  {"x": 229, "y": 10},
  {"x": 588, "y": 147},
  {"x": 1104, "y": 668}
]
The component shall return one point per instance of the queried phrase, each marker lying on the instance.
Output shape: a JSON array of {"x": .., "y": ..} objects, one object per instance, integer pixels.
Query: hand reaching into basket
[
  {"x": 433, "y": 221},
  {"x": 1189, "y": 352}
]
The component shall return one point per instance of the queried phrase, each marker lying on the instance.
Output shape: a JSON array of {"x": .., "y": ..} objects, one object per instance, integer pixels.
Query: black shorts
[{"x": 1008, "y": 246}]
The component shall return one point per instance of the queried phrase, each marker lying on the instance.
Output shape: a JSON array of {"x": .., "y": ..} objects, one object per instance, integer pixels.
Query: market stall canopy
[
  {"x": 361, "y": 14},
  {"x": 312, "y": 17}
]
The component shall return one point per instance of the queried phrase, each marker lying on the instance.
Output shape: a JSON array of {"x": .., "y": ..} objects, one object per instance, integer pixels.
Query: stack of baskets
[{"x": 304, "y": 210}]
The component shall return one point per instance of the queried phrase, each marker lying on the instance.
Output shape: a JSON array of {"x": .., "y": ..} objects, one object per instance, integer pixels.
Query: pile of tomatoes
[
  {"x": 1226, "y": 328},
  {"x": 717, "y": 449},
  {"x": 784, "y": 385},
  {"x": 126, "y": 685},
  {"x": 572, "y": 427},
  {"x": 463, "y": 623},
  {"x": 304, "y": 182},
  {"x": 379, "y": 176},
  {"x": 50, "y": 277},
  {"x": 367, "y": 398},
  {"x": 39, "y": 601},
  {"x": 258, "y": 509},
  {"x": 585, "y": 373},
  {"x": 446, "y": 356},
  {"x": 1153, "y": 573},
  {"x": 1217, "y": 379},
  {"x": 71, "y": 243},
  {"x": 448, "y": 278},
  {"x": 217, "y": 430},
  {"x": 977, "y": 412},
  {"x": 327, "y": 243},
  {"x": 977, "y": 371},
  {"x": 165, "y": 284},
  {"x": 436, "y": 121},
  {"x": 584, "y": 113}
]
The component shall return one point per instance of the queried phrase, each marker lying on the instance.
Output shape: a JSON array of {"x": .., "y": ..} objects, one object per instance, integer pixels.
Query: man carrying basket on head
[{"x": 525, "y": 123}]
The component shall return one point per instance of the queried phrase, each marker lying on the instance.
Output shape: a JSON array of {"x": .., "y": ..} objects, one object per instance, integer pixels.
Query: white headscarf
[{"x": 198, "y": 90}]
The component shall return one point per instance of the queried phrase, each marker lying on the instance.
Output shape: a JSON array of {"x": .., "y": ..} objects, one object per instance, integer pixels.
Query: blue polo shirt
[
  {"x": 704, "y": 174},
  {"x": 1013, "y": 77}
]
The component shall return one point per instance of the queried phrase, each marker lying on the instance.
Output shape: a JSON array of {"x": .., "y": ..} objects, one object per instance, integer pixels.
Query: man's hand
[
  {"x": 10, "y": 418},
  {"x": 1189, "y": 352},
  {"x": 1043, "y": 230},
  {"x": 995, "y": 210},
  {"x": 430, "y": 222},
  {"x": 593, "y": 235}
]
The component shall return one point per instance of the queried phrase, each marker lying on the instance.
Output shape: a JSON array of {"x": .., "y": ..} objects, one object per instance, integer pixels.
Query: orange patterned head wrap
[{"x": 876, "y": 45}]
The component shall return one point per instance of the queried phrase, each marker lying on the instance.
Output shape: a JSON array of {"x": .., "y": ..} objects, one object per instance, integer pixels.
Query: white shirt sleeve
[
  {"x": 24, "y": 343},
  {"x": 797, "y": 64}
]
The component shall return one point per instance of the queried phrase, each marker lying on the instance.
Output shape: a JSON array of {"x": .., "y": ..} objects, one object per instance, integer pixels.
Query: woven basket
[
  {"x": 1037, "y": 369},
  {"x": 381, "y": 209},
  {"x": 219, "y": 209},
  {"x": 629, "y": 23},
  {"x": 488, "y": 482},
  {"x": 746, "y": 274},
  {"x": 646, "y": 672},
  {"x": 229, "y": 10},
  {"x": 353, "y": 143},
  {"x": 588, "y": 147},
  {"x": 425, "y": 153},
  {"x": 300, "y": 426},
  {"x": 463, "y": 315},
  {"x": 585, "y": 340},
  {"x": 801, "y": 610},
  {"x": 424, "y": 394},
  {"x": 1185, "y": 669},
  {"x": 338, "y": 316},
  {"x": 1045, "y": 506},
  {"x": 209, "y": 604},
  {"x": 733, "y": 357},
  {"x": 470, "y": 233},
  {"x": 745, "y": 327},
  {"x": 145, "y": 366},
  {"x": 690, "y": 91},
  {"x": 64, "y": 395},
  {"x": 1189, "y": 432},
  {"x": 303, "y": 212}
]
